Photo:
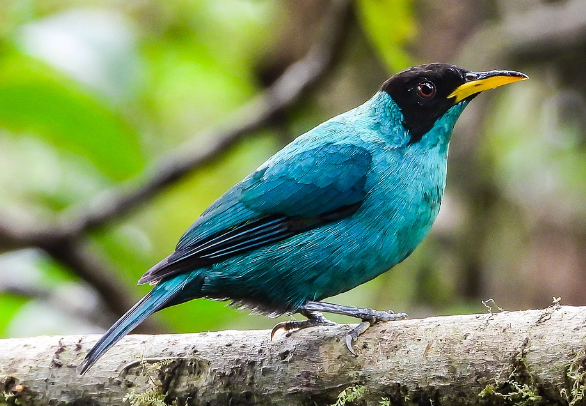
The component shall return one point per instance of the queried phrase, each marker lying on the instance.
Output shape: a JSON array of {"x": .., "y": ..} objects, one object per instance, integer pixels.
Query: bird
[{"x": 338, "y": 206}]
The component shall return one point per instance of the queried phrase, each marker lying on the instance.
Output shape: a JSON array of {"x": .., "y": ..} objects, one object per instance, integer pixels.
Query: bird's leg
[
  {"x": 368, "y": 317},
  {"x": 313, "y": 319}
]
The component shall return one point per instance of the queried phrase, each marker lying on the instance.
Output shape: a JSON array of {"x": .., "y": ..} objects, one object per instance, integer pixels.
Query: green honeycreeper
[{"x": 335, "y": 208}]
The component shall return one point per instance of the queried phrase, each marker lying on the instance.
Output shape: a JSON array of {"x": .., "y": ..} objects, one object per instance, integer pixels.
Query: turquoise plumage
[{"x": 335, "y": 208}]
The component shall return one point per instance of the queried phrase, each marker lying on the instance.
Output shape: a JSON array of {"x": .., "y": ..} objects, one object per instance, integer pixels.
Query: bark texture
[{"x": 516, "y": 358}]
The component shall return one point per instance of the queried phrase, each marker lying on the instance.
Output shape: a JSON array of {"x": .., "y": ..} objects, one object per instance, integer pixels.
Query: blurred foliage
[
  {"x": 38, "y": 101},
  {"x": 92, "y": 93},
  {"x": 389, "y": 24}
]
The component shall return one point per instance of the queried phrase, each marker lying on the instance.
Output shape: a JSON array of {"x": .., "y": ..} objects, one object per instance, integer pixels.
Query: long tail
[{"x": 161, "y": 296}]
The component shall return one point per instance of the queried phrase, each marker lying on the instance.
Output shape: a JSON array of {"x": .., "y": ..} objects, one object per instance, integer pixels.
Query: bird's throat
[{"x": 441, "y": 132}]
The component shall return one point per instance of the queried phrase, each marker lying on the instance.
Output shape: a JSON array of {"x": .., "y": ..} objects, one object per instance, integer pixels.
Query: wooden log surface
[{"x": 525, "y": 357}]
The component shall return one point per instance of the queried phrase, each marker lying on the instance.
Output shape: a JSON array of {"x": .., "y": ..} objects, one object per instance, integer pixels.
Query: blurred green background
[{"x": 94, "y": 94}]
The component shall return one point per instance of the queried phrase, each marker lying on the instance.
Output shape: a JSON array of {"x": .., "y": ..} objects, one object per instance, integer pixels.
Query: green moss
[
  {"x": 385, "y": 402},
  {"x": 152, "y": 397},
  {"x": 155, "y": 395},
  {"x": 512, "y": 391},
  {"x": 576, "y": 373},
  {"x": 3, "y": 399},
  {"x": 518, "y": 389},
  {"x": 7, "y": 395},
  {"x": 350, "y": 394}
]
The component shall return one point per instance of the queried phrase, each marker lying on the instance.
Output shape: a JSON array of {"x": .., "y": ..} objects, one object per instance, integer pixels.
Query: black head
[
  {"x": 421, "y": 92},
  {"x": 424, "y": 93}
]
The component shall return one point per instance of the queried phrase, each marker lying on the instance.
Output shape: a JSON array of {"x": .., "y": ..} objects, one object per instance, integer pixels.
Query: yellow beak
[{"x": 480, "y": 81}]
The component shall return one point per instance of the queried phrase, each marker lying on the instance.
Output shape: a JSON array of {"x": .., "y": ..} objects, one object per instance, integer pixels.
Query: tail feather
[{"x": 156, "y": 299}]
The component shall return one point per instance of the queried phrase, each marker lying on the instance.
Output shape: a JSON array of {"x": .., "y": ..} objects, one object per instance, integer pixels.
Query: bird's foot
[
  {"x": 368, "y": 317},
  {"x": 365, "y": 324},
  {"x": 313, "y": 319}
]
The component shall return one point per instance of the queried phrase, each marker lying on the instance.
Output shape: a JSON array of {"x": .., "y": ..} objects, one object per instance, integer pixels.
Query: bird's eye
[{"x": 426, "y": 90}]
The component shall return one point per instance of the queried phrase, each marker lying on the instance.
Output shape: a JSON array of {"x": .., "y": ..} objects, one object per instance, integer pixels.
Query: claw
[
  {"x": 349, "y": 345},
  {"x": 282, "y": 325},
  {"x": 314, "y": 319},
  {"x": 355, "y": 333},
  {"x": 278, "y": 326}
]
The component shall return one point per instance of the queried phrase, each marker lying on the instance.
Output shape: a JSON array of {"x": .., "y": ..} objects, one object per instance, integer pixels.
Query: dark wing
[{"x": 287, "y": 196}]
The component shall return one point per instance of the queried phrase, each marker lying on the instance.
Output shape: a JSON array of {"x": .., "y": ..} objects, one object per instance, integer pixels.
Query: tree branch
[
  {"x": 64, "y": 298},
  {"x": 536, "y": 356}
]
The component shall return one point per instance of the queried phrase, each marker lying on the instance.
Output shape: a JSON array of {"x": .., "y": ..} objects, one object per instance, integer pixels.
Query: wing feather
[{"x": 284, "y": 197}]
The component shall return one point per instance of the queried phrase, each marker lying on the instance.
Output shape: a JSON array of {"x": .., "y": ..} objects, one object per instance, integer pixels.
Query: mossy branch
[{"x": 523, "y": 358}]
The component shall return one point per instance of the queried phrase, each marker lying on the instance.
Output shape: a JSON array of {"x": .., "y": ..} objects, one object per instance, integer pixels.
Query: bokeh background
[{"x": 121, "y": 121}]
